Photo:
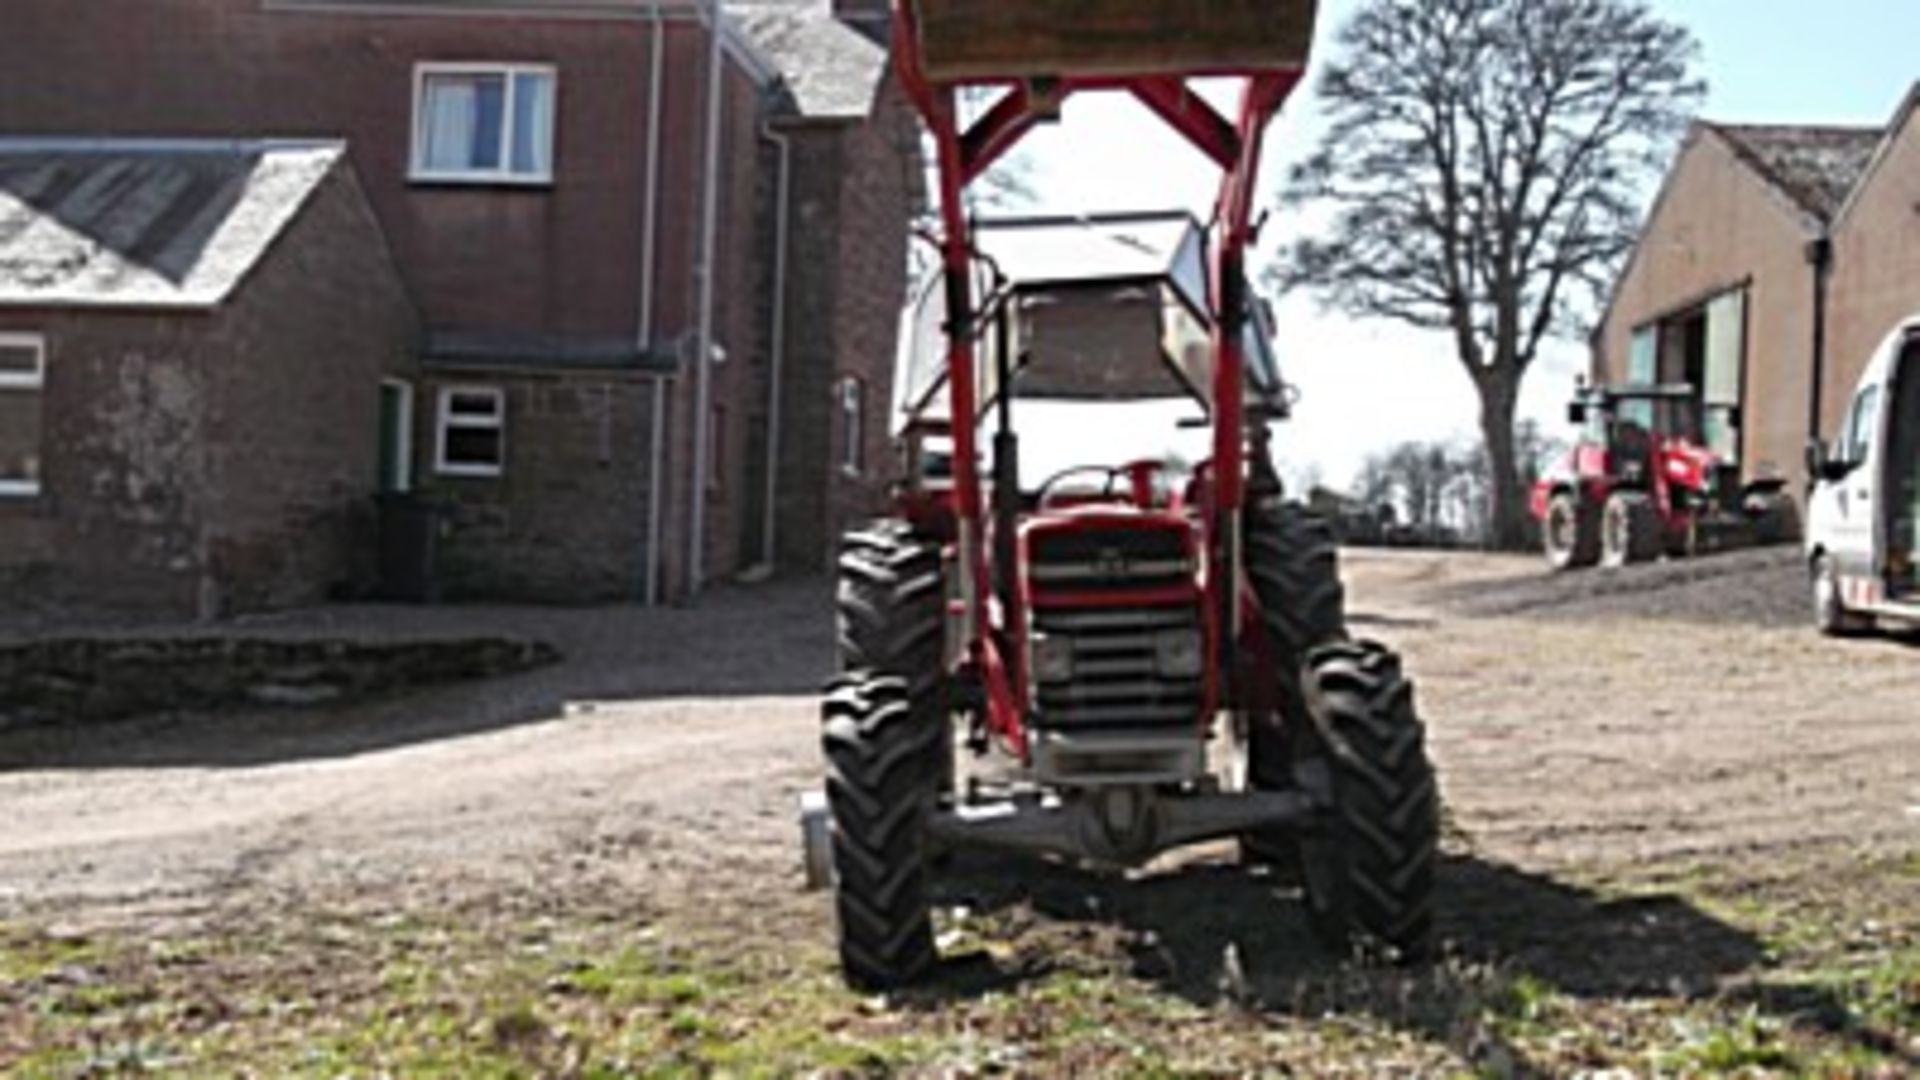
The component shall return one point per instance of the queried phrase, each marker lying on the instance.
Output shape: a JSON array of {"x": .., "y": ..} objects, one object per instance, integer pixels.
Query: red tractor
[
  {"x": 1642, "y": 483},
  {"x": 1126, "y": 658}
]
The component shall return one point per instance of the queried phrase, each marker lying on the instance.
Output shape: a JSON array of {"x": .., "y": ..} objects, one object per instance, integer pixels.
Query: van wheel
[{"x": 1830, "y": 611}]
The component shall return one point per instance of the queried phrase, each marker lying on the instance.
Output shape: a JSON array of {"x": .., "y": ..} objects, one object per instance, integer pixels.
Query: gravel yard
[{"x": 1672, "y": 809}]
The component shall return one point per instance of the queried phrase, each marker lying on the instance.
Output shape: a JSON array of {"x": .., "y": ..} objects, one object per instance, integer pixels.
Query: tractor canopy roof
[
  {"x": 1111, "y": 308},
  {"x": 1646, "y": 392}
]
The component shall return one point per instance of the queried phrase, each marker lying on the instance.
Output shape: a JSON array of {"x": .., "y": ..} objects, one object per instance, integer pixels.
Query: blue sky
[{"x": 1369, "y": 385}]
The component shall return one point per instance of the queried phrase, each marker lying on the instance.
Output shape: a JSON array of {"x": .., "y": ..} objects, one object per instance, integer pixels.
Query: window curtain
[
  {"x": 533, "y": 125},
  {"x": 452, "y": 122}
]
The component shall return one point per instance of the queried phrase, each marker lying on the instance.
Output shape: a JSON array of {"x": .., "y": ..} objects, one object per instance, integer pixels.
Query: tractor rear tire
[
  {"x": 1294, "y": 565},
  {"x": 881, "y": 785},
  {"x": 1370, "y": 866},
  {"x": 892, "y": 618},
  {"x": 1630, "y": 531},
  {"x": 1571, "y": 533}
]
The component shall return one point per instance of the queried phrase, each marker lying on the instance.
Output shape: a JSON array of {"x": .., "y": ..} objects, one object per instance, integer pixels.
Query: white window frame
[
  {"x": 853, "y": 417},
  {"x": 417, "y": 170},
  {"x": 444, "y": 422},
  {"x": 35, "y": 381},
  {"x": 405, "y": 434}
]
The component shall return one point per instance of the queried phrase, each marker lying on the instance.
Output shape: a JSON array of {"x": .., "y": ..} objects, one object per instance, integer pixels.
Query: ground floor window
[
  {"x": 23, "y": 372},
  {"x": 471, "y": 431},
  {"x": 396, "y": 437},
  {"x": 853, "y": 426}
]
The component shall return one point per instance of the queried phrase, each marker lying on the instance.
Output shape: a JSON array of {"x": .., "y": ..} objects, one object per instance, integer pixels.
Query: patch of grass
[
  {"x": 499, "y": 994},
  {"x": 1744, "y": 1042}
]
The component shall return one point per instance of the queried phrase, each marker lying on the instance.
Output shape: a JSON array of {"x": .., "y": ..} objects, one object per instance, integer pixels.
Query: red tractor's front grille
[{"x": 1116, "y": 637}]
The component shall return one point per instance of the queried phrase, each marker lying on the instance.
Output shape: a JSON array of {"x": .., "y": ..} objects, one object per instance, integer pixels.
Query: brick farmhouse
[
  {"x": 1775, "y": 260},
  {"x": 508, "y": 330}
]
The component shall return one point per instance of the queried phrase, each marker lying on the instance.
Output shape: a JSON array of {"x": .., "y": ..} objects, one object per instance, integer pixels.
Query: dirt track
[{"x": 663, "y": 758}]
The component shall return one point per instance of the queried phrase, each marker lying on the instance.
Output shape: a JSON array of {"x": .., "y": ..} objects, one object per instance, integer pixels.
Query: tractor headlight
[
  {"x": 1179, "y": 654},
  {"x": 1052, "y": 659}
]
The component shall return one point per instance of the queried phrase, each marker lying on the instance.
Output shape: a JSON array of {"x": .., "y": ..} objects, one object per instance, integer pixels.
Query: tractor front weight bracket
[{"x": 1115, "y": 826}]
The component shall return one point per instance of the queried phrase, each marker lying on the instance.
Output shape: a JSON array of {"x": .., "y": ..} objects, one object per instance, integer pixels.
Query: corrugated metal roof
[
  {"x": 833, "y": 71},
  {"x": 145, "y": 223},
  {"x": 1817, "y": 167}
]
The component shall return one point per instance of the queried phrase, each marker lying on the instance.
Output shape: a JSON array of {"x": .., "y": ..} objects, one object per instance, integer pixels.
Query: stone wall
[
  {"x": 88, "y": 681},
  {"x": 566, "y": 521},
  {"x": 220, "y": 461}
]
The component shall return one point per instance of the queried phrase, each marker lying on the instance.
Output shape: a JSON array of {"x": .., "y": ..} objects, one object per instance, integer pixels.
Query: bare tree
[{"x": 1484, "y": 162}]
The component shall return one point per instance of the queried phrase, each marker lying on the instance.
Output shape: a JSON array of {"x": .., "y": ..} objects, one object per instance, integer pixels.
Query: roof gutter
[{"x": 1820, "y": 257}]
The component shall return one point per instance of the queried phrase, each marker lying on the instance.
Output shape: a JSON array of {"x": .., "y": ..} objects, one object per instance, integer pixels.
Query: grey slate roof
[
  {"x": 833, "y": 71},
  {"x": 145, "y": 223},
  {"x": 1816, "y": 167}
]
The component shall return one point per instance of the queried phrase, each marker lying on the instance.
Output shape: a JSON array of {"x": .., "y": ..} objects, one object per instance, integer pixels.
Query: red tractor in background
[
  {"x": 1642, "y": 483},
  {"x": 1126, "y": 658}
]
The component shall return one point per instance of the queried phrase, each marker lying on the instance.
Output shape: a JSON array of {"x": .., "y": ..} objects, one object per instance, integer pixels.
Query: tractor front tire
[
  {"x": 1571, "y": 533},
  {"x": 892, "y": 618},
  {"x": 1294, "y": 565},
  {"x": 881, "y": 785},
  {"x": 1370, "y": 865},
  {"x": 1630, "y": 530}
]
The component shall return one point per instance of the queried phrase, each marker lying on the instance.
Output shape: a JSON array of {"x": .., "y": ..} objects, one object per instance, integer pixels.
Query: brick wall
[
  {"x": 856, "y": 190},
  {"x": 560, "y": 261},
  {"x": 1719, "y": 226},
  {"x": 806, "y": 533}
]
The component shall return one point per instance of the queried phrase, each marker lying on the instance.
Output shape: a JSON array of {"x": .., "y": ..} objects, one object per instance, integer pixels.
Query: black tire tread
[
  {"x": 1293, "y": 563},
  {"x": 880, "y": 785},
  {"x": 1380, "y": 849},
  {"x": 891, "y": 604}
]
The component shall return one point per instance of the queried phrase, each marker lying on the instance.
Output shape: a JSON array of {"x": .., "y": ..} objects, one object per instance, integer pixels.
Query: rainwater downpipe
[
  {"x": 649, "y": 253},
  {"x": 703, "y": 337},
  {"x": 777, "y": 342},
  {"x": 1820, "y": 255}
]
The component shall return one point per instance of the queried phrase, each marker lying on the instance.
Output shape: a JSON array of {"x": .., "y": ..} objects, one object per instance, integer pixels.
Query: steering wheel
[
  {"x": 1139, "y": 475},
  {"x": 1106, "y": 491}
]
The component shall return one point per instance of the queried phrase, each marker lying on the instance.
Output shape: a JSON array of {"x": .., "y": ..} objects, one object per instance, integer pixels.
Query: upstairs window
[
  {"x": 483, "y": 123},
  {"x": 23, "y": 365},
  {"x": 472, "y": 435}
]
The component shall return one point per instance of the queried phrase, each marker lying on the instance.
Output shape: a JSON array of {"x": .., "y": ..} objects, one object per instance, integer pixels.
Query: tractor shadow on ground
[{"x": 1215, "y": 934}]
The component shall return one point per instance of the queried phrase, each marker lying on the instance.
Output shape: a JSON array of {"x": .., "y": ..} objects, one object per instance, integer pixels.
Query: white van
[{"x": 1863, "y": 520}]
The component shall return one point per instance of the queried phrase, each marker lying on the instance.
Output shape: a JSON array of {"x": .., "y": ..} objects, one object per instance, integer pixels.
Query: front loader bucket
[{"x": 1001, "y": 40}]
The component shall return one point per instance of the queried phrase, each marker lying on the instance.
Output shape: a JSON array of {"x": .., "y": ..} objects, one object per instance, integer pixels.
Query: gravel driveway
[{"x": 664, "y": 755}]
